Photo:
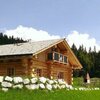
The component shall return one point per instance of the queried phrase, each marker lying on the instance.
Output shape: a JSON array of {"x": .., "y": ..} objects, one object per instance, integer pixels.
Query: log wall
[
  {"x": 19, "y": 70},
  {"x": 27, "y": 66}
]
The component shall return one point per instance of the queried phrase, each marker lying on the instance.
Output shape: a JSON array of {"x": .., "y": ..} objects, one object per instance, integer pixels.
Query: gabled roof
[
  {"x": 27, "y": 48},
  {"x": 35, "y": 48}
]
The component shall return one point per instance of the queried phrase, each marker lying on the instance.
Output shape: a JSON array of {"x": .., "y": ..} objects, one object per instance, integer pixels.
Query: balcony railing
[{"x": 57, "y": 57}]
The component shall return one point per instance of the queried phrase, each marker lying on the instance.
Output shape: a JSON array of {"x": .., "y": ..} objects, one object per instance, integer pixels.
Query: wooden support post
[
  {"x": 50, "y": 71},
  {"x": 25, "y": 65},
  {"x": 72, "y": 75}
]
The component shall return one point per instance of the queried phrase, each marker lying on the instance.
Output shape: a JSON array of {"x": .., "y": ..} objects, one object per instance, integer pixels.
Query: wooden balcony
[{"x": 57, "y": 57}]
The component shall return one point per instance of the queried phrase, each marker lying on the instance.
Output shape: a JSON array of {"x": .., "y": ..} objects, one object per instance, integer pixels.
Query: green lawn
[
  {"x": 50, "y": 95},
  {"x": 78, "y": 82}
]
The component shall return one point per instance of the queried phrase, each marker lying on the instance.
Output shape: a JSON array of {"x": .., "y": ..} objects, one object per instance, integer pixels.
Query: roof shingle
[{"x": 26, "y": 48}]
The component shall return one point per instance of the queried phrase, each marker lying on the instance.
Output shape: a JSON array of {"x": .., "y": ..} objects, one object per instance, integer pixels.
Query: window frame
[
  {"x": 38, "y": 72},
  {"x": 60, "y": 75},
  {"x": 10, "y": 71}
]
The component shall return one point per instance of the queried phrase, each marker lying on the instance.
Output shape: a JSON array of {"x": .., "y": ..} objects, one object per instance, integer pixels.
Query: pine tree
[{"x": 4, "y": 39}]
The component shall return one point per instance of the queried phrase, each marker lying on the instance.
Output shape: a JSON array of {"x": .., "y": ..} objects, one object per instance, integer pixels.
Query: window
[
  {"x": 60, "y": 75},
  {"x": 65, "y": 59},
  {"x": 61, "y": 58},
  {"x": 39, "y": 72},
  {"x": 50, "y": 56},
  {"x": 10, "y": 71},
  {"x": 56, "y": 56}
]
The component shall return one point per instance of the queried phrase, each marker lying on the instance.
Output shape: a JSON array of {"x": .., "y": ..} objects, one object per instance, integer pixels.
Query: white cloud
[
  {"x": 37, "y": 35},
  {"x": 82, "y": 39},
  {"x": 30, "y": 33}
]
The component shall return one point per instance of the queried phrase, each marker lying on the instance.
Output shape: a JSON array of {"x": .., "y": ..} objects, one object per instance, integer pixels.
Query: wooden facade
[{"x": 53, "y": 62}]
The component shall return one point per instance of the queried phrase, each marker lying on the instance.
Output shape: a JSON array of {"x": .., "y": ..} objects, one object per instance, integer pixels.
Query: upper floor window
[
  {"x": 50, "y": 56},
  {"x": 61, "y": 58},
  {"x": 57, "y": 57},
  {"x": 65, "y": 59}
]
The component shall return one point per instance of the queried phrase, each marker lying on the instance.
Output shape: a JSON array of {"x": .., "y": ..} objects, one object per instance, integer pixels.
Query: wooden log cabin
[{"x": 49, "y": 58}]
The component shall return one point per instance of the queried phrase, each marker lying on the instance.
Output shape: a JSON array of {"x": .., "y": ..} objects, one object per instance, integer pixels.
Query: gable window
[
  {"x": 65, "y": 59},
  {"x": 56, "y": 56},
  {"x": 10, "y": 71},
  {"x": 61, "y": 58},
  {"x": 60, "y": 75},
  {"x": 39, "y": 72},
  {"x": 50, "y": 56}
]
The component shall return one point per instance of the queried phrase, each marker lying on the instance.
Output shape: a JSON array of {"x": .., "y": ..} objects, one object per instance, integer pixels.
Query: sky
[{"x": 76, "y": 20}]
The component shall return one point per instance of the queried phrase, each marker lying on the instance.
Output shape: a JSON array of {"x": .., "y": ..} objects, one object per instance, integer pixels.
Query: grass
[
  {"x": 78, "y": 82},
  {"x": 49, "y": 95}
]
